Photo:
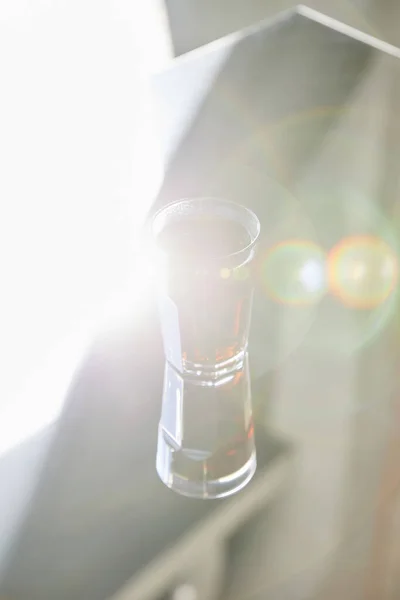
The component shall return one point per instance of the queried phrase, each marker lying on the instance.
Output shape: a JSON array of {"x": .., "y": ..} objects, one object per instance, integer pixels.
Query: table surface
[{"x": 296, "y": 119}]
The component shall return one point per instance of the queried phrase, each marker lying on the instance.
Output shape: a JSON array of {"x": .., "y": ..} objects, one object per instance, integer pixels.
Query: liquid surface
[
  {"x": 205, "y": 312},
  {"x": 204, "y": 236}
]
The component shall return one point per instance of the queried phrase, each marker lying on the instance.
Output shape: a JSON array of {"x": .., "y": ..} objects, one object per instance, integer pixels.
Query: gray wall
[
  {"x": 316, "y": 542},
  {"x": 197, "y": 22}
]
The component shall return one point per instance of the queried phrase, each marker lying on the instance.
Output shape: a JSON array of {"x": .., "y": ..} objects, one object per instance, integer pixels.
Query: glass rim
[{"x": 240, "y": 208}]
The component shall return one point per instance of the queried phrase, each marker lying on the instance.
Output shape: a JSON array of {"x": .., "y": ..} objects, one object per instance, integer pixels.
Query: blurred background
[{"x": 105, "y": 114}]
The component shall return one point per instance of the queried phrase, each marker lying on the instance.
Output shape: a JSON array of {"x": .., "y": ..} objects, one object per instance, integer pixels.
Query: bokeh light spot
[
  {"x": 294, "y": 272},
  {"x": 362, "y": 271},
  {"x": 225, "y": 273}
]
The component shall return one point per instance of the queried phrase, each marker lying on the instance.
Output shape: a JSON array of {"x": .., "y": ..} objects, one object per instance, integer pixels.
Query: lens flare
[
  {"x": 293, "y": 273},
  {"x": 362, "y": 271}
]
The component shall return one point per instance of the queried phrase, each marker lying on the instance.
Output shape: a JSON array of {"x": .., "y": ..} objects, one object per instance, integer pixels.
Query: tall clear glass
[{"x": 204, "y": 249}]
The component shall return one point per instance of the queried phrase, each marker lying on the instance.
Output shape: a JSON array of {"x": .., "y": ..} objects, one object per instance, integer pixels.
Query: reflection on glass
[{"x": 204, "y": 251}]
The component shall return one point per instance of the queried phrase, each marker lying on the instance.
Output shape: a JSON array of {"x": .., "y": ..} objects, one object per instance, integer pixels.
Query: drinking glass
[{"x": 204, "y": 251}]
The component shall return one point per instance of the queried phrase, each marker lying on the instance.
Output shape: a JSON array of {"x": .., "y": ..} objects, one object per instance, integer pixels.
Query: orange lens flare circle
[
  {"x": 293, "y": 272},
  {"x": 362, "y": 271}
]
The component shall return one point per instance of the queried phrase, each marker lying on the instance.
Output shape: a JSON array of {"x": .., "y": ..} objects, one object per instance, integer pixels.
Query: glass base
[{"x": 203, "y": 488}]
